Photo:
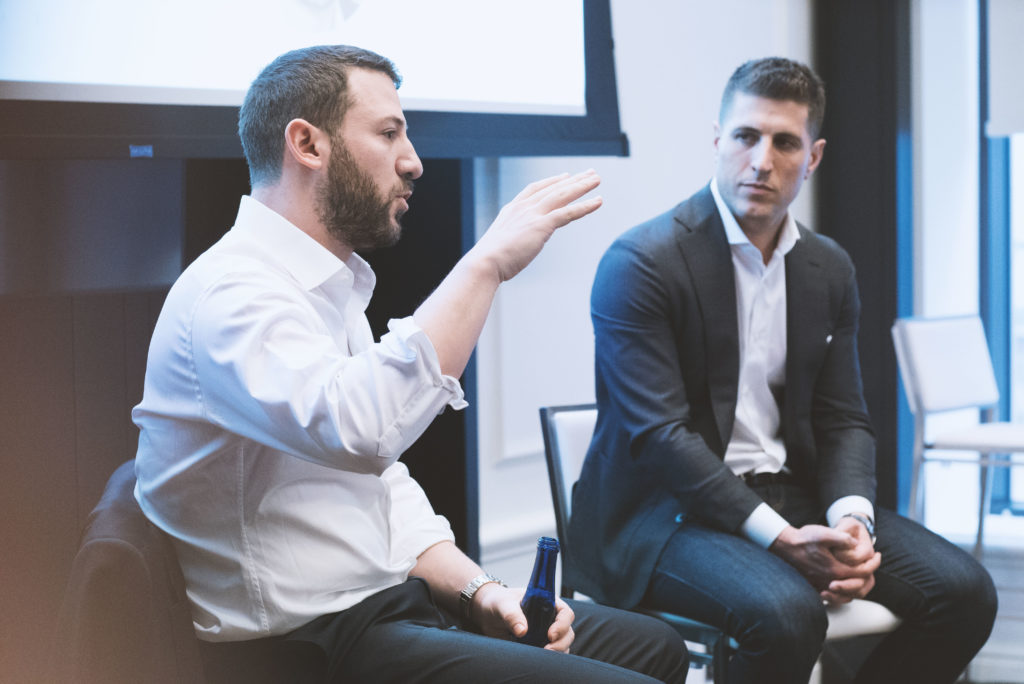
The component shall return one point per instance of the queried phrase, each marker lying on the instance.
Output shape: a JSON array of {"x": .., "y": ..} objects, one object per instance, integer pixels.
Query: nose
[
  {"x": 761, "y": 157},
  {"x": 409, "y": 165}
]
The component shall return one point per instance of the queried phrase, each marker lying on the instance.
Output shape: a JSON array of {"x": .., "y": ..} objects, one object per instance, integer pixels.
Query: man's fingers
[
  {"x": 577, "y": 184},
  {"x": 552, "y": 193},
  {"x": 828, "y": 536},
  {"x": 563, "y": 643},
  {"x": 568, "y": 191},
  {"x": 536, "y": 186},
  {"x": 834, "y": 598},
  {"x": 576, "y": 211},
  {"x": 850, "y": 588}
]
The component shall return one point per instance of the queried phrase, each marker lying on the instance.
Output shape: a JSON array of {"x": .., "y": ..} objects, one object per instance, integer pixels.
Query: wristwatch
[
  {"x": 469, "y": 591},
  {"x": 868, "y": 524}
]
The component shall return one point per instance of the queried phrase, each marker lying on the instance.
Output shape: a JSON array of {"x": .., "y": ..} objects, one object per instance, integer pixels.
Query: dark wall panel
[
  {"x": 863, "y": 54},
  {"x": 38, "y": 475}
]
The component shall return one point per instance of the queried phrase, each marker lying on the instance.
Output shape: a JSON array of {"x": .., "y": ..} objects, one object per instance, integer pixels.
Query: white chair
[
  {"x": 945, "y": 365},
  {"x": 567, "y": 432}
]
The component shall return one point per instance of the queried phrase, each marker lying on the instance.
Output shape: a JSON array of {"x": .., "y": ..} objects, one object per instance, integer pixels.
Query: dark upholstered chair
[{"x": 125, "y": 616}]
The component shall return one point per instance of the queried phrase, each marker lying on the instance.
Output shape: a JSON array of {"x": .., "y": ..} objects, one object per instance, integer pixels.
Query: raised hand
[
  {"x": 453, "y": 316},
  {"x": 527, "y": 222}
]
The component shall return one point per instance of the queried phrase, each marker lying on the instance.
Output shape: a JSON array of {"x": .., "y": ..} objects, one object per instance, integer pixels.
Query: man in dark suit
[{"x": 731, "y": 477}]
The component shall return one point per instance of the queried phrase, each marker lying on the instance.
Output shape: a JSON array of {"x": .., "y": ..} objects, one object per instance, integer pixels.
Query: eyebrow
[
  {"x": 394, "y": 120},
  {"x": 788, "y": 137}
]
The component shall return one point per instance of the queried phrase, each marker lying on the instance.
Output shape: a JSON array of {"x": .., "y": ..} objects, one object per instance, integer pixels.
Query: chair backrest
[
  {"x": 567, "y": 431},
  {"x": 944, "y": 363},
  {"x": 125, "y": 616}
]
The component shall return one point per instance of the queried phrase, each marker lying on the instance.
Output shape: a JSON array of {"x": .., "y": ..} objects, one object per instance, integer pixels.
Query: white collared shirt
[
  {"x": 756, "y": 444},
  {"x": 271, "y": 425}
]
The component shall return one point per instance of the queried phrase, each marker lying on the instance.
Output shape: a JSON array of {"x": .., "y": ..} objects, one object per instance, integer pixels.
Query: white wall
[
  {"x": 672, "y": 60},
  {"x": 946, "y": 206},
  {"x": 945, "y": 124}
]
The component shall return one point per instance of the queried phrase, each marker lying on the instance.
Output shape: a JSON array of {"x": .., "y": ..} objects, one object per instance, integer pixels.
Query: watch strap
[
  {"x": 867, "y": 522},
  {"x": 469, "y": 591}
]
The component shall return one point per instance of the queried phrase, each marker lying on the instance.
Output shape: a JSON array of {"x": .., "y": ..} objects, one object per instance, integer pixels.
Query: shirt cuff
[
  {"x": 849, "y": 504},
  {"x": 413, "y": 337},
  {"x": 763, "y": 525}
]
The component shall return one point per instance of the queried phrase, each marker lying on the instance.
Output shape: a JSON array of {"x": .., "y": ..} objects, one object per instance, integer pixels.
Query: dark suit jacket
[{"x": 667, "y": 367}]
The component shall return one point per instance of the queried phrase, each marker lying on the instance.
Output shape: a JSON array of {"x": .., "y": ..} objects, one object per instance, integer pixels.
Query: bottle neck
[{"x": 543, "y": 576}]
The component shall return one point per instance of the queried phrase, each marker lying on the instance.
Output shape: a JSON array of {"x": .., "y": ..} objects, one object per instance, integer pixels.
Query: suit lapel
[{"x": 702, "y": 242}]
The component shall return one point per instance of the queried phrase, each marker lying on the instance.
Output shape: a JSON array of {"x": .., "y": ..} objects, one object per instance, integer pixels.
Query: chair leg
[
  {"x": 720, "y": 660},
  {"x": 984, "y": 502},
  {"x": 915, "y": 509}
]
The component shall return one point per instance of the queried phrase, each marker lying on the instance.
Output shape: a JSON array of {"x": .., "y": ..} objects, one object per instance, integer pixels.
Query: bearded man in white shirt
[{"x": 272, "y": 423}]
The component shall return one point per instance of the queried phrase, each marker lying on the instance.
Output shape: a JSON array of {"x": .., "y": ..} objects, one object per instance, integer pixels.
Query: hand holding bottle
[{"x": 499, "y": 615}]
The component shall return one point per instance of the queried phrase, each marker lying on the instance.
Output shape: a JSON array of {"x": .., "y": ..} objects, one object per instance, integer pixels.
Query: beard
[{"x": 351, "y": 208}]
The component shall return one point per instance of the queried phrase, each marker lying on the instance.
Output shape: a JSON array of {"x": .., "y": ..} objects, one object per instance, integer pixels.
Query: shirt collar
[
  {"x": 310, "y": 263},
  {"x": 787, "y": 239}
]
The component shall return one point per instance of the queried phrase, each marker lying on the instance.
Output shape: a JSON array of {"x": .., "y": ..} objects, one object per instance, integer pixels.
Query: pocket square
[{"x": 828, "y": 339}]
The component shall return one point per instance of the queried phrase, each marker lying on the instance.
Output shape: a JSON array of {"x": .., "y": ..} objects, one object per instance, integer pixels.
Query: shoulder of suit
[
  {"x": 821, "y": 246},
  {"x": 689, "y": 214}
]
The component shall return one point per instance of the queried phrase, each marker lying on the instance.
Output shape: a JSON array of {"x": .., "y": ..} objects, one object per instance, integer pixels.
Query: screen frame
[{"x": 51, "y": 129}]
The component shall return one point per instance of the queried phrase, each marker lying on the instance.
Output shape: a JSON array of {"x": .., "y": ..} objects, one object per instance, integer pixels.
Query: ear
[
  {"x": 306, "y": 144},
  {"x": 817, "y": 152},
  {"x": 717, "y": 129}
]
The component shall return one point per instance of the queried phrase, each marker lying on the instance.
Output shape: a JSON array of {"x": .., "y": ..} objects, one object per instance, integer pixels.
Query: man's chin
[{"x": 752, "y": 209}]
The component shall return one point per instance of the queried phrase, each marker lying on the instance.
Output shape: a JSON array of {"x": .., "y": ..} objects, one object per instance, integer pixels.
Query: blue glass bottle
[{"x": 538, "y": 602}]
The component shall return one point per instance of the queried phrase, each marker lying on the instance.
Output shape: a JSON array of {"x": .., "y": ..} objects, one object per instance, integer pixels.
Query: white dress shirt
[
  {"x": 271, "y": 425},
  {"x": 756, "y": 445}
]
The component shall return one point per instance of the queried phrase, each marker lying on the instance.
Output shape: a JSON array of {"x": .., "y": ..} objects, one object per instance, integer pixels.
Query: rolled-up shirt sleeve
[{"x": 268, "y": 367}]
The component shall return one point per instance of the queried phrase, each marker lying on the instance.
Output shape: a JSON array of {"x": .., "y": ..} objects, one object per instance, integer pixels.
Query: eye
[
  {"x": 390, "y": 134},
  {"x": 788, "y": 144},
  {"x": 747, "y": 137}
]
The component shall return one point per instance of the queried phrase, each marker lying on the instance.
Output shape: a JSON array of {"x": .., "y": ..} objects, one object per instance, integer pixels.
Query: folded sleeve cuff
[{"x": 412, "y": 337}]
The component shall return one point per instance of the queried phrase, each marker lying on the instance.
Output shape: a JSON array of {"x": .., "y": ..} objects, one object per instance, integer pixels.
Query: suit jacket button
[{"x": 680, "y": 517}]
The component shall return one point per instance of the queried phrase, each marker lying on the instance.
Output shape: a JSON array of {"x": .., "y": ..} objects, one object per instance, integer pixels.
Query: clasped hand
[
  {"x": 498, "y": 615},
  {"x": 839, "y": 562}
]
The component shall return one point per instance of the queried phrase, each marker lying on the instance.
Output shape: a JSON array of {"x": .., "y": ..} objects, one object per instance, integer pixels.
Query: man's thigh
[
  {"x": 405, "y": 653},
  {"x": 630, "y": 640},
  {"x": 920, "y": 570},
  {"x": 726, "y": 581}
]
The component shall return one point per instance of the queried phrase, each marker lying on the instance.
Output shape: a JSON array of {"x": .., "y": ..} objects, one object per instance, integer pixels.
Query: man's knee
[
  {"x": 669, "y": 657},
  {"x": 970, "y": 600},
  {"x": 631, "y": 640},
  {"x": 786, "y": 622}
]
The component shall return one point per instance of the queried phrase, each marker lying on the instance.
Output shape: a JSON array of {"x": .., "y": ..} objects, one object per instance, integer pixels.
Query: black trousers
[
  {"x": 945, "y": 598},
  {"x": 399, "y": 635}
]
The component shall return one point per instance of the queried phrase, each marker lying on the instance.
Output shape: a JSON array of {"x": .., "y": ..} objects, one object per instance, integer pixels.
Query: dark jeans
[
  {"x": 400, "y": 636},
  {"x": 945, "y": 598}
]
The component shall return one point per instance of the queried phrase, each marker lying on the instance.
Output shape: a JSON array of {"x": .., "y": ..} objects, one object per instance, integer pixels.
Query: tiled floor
[{"x": 951, "y": 510}]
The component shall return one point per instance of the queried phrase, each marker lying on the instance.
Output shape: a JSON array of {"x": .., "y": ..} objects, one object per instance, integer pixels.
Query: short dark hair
[
  {"x": 778, "y": 78},
  {"x": 310, "y": 83}
]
